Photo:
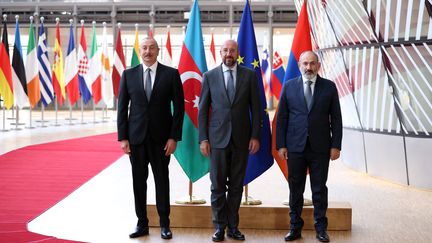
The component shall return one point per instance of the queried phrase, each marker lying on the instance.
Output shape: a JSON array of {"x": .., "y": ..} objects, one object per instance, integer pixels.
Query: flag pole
[
  {"x": 249, "y": 200},
  {"x": 42, "y": 115},
  {"x": 30, "y": 122},
  {"x": 56, "y": 110},
  {"x": 82, "y": 111},
  {"x": 190, "y": 199},
  {"x": 17, "y": 120},
  {"x": 105, "y": 116},
  {"x": 13, "y": 114},
  {"x": 190, "y": 190},
  {"x": 70, "y": 114},
  {"x": 4, "y": 120},
  {"x": 94, "y": 112}
]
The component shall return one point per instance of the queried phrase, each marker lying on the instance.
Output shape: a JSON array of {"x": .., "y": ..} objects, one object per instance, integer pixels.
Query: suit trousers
[
  {"x": 227, "y": 172},
  {"x": 141, "y": 156},
  {"x": 318, "y": 165}
]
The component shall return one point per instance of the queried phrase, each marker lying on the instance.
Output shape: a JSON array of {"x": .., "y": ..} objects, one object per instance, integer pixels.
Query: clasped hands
[
  {"x": 205, "y": 147},
  {"x": 334, "y": 153}
]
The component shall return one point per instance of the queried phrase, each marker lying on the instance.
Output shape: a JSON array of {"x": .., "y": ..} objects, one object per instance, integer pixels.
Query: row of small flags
[
  {"x": 39, "y": 81},
  {"x": 90, "y": 81},
  {"x": 273, "y": 75},
  {"x": 96, "y": 81},
  {"x": 36, "y": 81}
]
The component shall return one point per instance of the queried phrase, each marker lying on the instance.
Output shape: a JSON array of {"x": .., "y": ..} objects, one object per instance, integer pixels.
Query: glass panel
[
  {"x": 371, "y": 91},
  {"x": 411, "y": 73},
  {"x": 322, "y": 31},
  {"x": 333, "y": 68},
  {"x": 407, "y": 18}
]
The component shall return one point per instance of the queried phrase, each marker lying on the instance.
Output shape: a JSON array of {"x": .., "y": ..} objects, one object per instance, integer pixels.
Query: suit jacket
[
  {"x": 218, "y": 119},
  {"x": 323, "y": 123},
  {"x": 152, "y": 118}
]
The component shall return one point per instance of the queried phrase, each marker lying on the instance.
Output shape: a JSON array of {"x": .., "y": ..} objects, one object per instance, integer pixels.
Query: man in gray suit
[{"x": 229, "y": 128}]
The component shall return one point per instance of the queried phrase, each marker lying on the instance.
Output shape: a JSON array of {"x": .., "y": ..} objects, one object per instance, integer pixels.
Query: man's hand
[
  {"x": 170, "y": 147},
  {"x": 254, "y": 145},
  {"x": 205, "y": 148},
  {"x": 124, "y": 145},
  {"x": 283, "y": 153},
  {"x": 334, "y": 154}
]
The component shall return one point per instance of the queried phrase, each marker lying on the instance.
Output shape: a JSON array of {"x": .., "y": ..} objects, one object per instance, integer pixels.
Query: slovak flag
[
  {"x": 277, "y": 75},
  {"x": 266, "y": 70}
]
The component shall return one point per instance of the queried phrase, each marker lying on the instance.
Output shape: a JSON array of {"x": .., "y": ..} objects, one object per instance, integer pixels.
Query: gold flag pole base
[
  {"x": 190, "y": 200},
  {"x": 248, "y": 200},
  {"x": 306, "y": 202},
  {"x": 251, "y": 201}
]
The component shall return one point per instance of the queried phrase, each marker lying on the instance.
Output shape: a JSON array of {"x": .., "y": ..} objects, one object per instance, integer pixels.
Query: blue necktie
[
  {"x": 308, "y": 94},
  {"x": 230, "y": 87},
  {"x": 147, "y": 87}
]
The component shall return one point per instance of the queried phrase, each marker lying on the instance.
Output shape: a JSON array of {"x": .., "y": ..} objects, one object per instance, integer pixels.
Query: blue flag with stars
[{"x": 248, "y": 56}]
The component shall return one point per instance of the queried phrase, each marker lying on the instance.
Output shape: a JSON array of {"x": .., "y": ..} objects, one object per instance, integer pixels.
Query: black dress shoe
[
  {"x": 293, "y": 235},
  {"x": 166, "y": 233},
  {"x": 219, "y": 235},
  {"x": 139, "y": 231},
  {"x": 235, "y": 234},
  {"x": 322, "y": 236}
]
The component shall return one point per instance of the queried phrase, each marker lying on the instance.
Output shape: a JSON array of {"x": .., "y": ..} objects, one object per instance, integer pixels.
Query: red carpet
[{"x": 35, "y": 178}]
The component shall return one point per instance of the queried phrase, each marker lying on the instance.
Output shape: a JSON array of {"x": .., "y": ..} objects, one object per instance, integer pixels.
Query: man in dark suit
[
  {"x": 148, "y": 131},
  {"x": 308, "y": 135},
  {"x": 229, "y": 128}
]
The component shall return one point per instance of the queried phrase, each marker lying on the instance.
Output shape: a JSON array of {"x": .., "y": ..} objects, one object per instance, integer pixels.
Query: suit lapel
[
  {"x": 300, "y": 93},
  {"x": 239, "y": 81},
  {"x": 159, "y": 71},
  {"x": 140, "y": 79},
  {"x": 317, "y": 91}
]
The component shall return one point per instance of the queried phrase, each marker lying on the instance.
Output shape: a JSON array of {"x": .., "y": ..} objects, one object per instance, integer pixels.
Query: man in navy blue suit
[{"x": 308, "y": 135}]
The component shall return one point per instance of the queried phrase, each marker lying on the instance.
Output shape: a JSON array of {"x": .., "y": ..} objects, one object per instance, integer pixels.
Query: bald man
[{"x": 229, "y": 128}]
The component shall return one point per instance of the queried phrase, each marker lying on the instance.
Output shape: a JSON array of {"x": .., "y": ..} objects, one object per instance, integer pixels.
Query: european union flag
[{"x": 262, "y": 160}]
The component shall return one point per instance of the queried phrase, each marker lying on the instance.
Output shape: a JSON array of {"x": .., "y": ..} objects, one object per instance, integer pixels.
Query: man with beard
[
  {"x": 308, "y": 135},
  {"x": 229, "y": 128},
  {"x": 148, "y": 130}
]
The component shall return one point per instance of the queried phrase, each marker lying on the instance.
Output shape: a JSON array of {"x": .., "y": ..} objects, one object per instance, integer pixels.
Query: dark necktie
[
  {"x": 308, "y": 94},
  {"x": 230, "y": 86},
  {"x": 147, "y": 87}
]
